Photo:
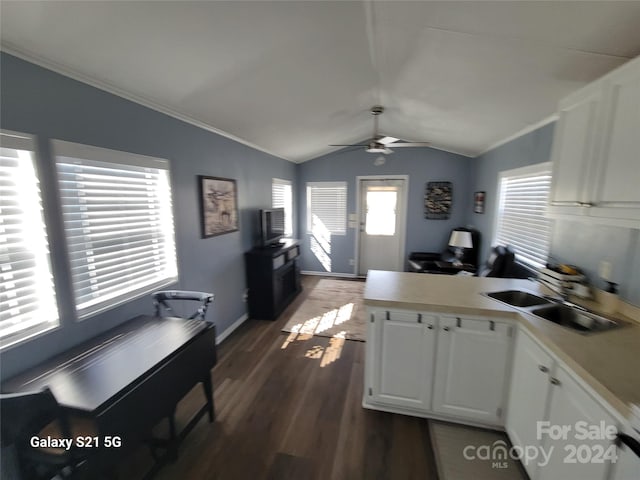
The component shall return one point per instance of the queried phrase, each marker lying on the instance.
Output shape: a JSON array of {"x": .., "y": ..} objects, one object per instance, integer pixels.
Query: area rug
[
  {"x": 334, "y": 308},
  {"x": 458, "y": 456}
]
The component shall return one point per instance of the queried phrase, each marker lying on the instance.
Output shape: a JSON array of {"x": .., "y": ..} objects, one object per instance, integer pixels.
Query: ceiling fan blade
[
  {"x": 351, "y": 145},
  {"x": 414, "y": 144}
]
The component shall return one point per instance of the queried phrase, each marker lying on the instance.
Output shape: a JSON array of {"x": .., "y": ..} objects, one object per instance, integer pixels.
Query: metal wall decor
[{"x": 438, "y": 197}]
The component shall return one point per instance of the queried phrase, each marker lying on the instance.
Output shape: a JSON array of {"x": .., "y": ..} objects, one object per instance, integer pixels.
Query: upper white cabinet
[
  {"x": 471, "y": 368},
  {"x": 401, "y": 353},
  {"x": 595, "y": 154},
  {"x": 574, "y": 146}
]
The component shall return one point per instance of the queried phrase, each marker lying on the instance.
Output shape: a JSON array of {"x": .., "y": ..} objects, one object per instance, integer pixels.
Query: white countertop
[{"x": 608, "y": 361}]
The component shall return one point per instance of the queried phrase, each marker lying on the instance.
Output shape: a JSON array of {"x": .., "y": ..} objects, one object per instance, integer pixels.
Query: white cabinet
[
  {"x": 571, "y": 458},
  {"x": 574, "y": 148},
  {"x": 401, "y": 349},
  {"x": 617, "y": 191},
  {"x": 471, "y": 368},
  {"x": 595, "y": 151},
  {"x": 627, "y": 466},
  {"x": 543, "y": 390},
  {"x": 529, "y": 393}
]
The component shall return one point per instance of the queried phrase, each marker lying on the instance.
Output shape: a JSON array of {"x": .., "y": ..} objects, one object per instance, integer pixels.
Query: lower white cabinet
[
  {"x": 549, "y": 411},
  {"x": 434, "y": 364},
  {"x": 402, "y": 346},
  {"x": 471, "y": 368},
  {"x": 529, "y": 393}
]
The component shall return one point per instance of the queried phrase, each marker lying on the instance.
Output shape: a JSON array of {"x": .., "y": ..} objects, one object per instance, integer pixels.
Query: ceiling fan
[{"x": 381, "y": 143}]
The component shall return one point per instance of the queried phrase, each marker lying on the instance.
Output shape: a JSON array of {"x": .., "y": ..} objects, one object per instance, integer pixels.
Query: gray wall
[
  {"x": 573, "y": 242},
  {"x": 51, "y": 106},
  {"x": 421, "y": 164}
]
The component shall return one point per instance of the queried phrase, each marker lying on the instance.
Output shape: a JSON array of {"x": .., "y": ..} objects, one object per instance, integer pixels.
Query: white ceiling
[{"x": 293, "y": 77}]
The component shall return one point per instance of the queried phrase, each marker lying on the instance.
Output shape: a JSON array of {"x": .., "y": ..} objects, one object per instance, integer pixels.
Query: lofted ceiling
[{"x": 291, "y": 78}]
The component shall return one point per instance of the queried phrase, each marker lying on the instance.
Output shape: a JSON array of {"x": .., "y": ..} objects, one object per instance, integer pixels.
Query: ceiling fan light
[
  {"x": 379, "y": 161},
  {"x": 378, "y": 148},
  {"x": 387, "y": 140}
]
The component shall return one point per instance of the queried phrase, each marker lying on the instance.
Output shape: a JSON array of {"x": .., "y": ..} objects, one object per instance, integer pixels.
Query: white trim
[
  {"x": 330, "y": 274},
  {"x": 403, "y": 218},
  {"x": 17, "y": 141},
  {"x": 89, "y": 153},
  {"x": 145, "y": 102},
  {"x": 231, "y": 328},
  {"x": 520, "y": 133}
]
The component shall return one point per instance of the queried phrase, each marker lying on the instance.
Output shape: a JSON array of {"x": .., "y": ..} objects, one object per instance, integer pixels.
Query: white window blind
[
  {"x": 327, "y": 207},
  {"x": 282, "y": 197},
  {"x": 118, "y": 221},
  {"x": 27, "y": 298},
  {"x": 521, "y": 219}
]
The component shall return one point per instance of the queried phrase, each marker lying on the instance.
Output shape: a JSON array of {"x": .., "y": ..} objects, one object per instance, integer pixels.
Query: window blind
[
  {"x": 27, "y": 297},
  {"x": 118, "y": 221},
  {"x": 521, "y": 220},
  {"x": 327, "y": 205},
  {"x": 282, "y": 197}
]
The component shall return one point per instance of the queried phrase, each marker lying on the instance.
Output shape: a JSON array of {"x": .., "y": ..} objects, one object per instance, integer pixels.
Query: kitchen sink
[
  {"x": 518, "y": 298},
  {"x": 576, "y": 319}
]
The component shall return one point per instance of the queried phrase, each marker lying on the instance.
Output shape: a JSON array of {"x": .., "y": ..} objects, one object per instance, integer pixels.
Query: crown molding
[{"x": 145, "y": 102}]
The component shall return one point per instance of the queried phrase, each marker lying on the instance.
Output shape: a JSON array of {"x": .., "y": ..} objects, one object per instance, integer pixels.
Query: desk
[{"x": 131, "y": 377}]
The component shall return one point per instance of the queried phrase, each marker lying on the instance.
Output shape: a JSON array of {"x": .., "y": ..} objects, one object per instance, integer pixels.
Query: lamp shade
[{"x": 460, "y": 239}]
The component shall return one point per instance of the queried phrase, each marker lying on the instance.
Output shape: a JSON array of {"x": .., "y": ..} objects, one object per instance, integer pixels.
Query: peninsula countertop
[{"x": 608, "y": 361}]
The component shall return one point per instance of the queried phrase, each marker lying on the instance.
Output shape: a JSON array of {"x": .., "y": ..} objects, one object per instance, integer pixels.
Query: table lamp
[{"x": 459, "y": 240}]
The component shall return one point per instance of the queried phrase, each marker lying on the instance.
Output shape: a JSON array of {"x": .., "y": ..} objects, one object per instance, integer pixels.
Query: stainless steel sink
[
  {"x": 518, "y": 298},
  {"x": 574, "y": 318},
  {"x": 565, "y": 314}
]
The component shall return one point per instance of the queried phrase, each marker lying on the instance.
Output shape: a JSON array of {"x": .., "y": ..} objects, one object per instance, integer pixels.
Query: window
[
  {"x": 282, "y": 197},
  {"x": 27, "y": 299},
  {"x": 118, "y": 222},
  {"x": 327, "y": 207},
  {"x": 521, "y": 220}
]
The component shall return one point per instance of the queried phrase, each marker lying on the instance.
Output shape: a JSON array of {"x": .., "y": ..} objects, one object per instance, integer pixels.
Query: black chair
[
  {"x": 425, "y": 261},
  {"x": 24, "y": 415},
  {"x": 162, "y": 298},
  {"x": 499, "y": 262},
  {"x": 162, "y": 302}
]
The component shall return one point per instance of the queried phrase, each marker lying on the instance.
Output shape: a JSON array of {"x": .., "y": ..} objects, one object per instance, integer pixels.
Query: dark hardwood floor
[{"x": 292, "y": 410}]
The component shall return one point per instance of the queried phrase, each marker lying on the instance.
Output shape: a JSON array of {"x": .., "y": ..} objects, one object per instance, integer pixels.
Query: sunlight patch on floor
[{"x": 322, "y": 323}]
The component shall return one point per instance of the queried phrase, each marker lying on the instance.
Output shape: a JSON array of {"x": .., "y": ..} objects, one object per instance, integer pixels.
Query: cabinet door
[
  {"x": 529, "y": 394},
  {"x": 573, "y": 148},
  {"x": 404, "y": 350},
  {"x": 571, "y": 403},
  {"x": 627, "y": 465},
  {"x": 618, "y": 159},
  {"x": 471, "y": 368}
]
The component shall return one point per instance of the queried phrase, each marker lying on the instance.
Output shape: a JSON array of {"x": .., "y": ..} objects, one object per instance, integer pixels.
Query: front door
[{"x": 382, "y": 214}]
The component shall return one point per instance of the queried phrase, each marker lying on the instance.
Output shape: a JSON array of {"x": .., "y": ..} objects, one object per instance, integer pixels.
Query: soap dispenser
[{"x": 609, "y": 298}]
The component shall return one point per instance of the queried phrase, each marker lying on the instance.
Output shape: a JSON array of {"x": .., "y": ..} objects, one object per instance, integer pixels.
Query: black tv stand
[{"x": 273, "y": 278}]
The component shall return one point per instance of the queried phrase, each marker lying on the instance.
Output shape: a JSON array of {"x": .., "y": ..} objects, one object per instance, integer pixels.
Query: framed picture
[
  {"x": 218, "y": 205},
  {"x": 478, "y": 202},
  {"x": 438, "y": 197}
]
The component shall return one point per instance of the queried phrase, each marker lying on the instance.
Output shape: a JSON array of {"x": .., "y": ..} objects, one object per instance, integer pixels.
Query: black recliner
[{"x": 423, "y": 261}]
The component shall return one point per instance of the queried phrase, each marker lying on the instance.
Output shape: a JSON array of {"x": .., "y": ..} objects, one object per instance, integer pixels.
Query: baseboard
[
  {"x": 329, "y": 274},
  {"x": 220, "y": 338}
]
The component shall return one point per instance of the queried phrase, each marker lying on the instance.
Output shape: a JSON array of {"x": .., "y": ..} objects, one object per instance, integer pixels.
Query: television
[{"x": 271, "y": 226}]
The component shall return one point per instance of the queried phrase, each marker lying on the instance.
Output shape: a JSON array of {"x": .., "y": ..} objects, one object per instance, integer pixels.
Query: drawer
[
  {"x": 293, "y": 253},
  {"x": 279, "y": 261}
]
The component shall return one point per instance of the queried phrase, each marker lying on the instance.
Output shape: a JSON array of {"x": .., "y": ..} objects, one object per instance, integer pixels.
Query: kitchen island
[{"x": 438, "y": 348}]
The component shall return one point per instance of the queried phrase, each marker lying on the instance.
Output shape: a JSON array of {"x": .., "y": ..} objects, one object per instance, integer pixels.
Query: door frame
[{"x": 402, "y": 224}]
